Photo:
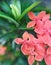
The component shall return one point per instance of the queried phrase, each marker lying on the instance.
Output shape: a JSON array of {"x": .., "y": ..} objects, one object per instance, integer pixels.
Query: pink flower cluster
[{"x": 37, "y": 48}]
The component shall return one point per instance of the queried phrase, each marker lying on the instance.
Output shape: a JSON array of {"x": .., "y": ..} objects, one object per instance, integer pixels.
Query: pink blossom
[
  {"x": 32, "y": 48},
  {"x": 35, "y": 18},
  {"x": 31, "y": 60},
  {"x": 38, "y": 48},
  {"x": 49, "y": 51},
  {"x": 2, "y": 50},
  {"x": 39, "y": 16},
  {"x": 39, "y": 22}
]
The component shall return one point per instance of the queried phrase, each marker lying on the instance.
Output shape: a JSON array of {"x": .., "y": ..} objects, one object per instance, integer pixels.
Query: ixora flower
[
  {"x": 31, "y": 47},
  {"x": 41, "y": 25},
  {"x": 39, "y": 22},
  {"x": 2, "y": 50},
  {"x": 37, "y": 48}
]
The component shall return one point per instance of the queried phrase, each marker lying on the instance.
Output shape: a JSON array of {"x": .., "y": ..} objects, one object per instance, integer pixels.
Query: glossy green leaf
[
  {"x": 17, "y": 3},
  {"x": 16, "y": 8},
  {"x": 15, "y": 11},
  {"x": 3, "y": 15}
]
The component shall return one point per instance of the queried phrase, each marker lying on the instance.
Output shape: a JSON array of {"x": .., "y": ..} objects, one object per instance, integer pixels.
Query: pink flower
[
  {"x": 39, "y": 22},
  {"x": 38, "y": 48},
  {"x": 35, "y": 18},
  {"x": 32, "y": 48},
  {"x": 39, "y": 16},
  {"x": 2, "y": 50},
  {"x": 27, "y": 42},
  {"x": 31, "y": 59}
]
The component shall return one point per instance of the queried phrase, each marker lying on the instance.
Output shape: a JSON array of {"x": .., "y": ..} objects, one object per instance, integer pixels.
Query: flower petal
[
  {"x": 38, "y": 57},
  {"x": 31, "y": 24},
  {"x": 39, "y": 27},
  {"x": 47, "y": 25},
  {"x": 41, "y": 15},
  {"x": 31, "y": 16},
  {"x": 40, "y": 49},
  {"x": 32, "y": 38},
  {"x": 49, "y": 50},
  {"x": 49, "y": 31},
  {"x": 18, "y": 41},
  {"x": 47, "y": 39},
  {"x": 24, "y": 49},
  {"x": 31, "y": 60},
  {"x": 48, "y": 59},
  {"x": 46, "y": 17},
  {"x": 25, "y": 36}
]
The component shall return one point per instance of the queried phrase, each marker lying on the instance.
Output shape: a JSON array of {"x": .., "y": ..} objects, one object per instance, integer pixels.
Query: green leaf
[
  {"x": 15, "y": 11},
  {"x": 5, "y": 24},
  {"x": 42, "y": 62},
  {"x": 17, "y": 3},
  {"x": 26, "y": 3},
  {"x": 16, "y": 8},
  {"x": 3, "y": 15},
  {"x": 28, "y": 9},
  {"x": 5, "y": 7},
  {"x": 7, "y": 36}
]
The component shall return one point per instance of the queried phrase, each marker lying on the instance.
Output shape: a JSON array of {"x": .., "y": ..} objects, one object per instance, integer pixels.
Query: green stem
[
  {"x": 28, "y": 9},
  {"x": 25, "y": 28}
]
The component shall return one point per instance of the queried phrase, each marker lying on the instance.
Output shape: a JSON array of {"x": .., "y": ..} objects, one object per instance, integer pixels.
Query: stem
[
  {"x": 25, "y": 28},
  {"x": 28, "y": 9}
]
